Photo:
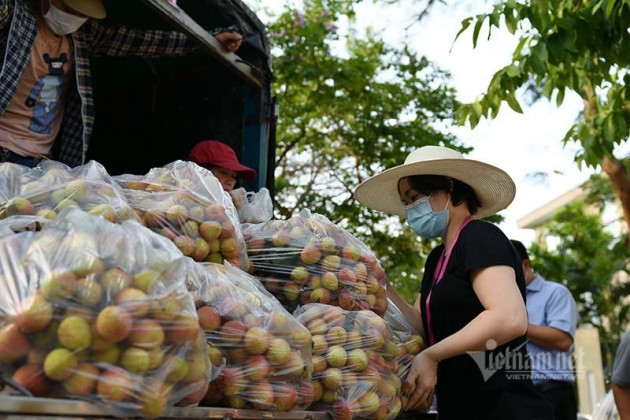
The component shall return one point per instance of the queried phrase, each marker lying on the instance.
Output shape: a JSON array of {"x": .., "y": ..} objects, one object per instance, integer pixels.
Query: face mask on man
[
  {"x": 426, "y": 222},
  {"x": 62, "y": 22}
]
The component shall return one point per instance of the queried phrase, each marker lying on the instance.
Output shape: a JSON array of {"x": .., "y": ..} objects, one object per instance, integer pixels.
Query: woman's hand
[{"x": 421, "y": 380}]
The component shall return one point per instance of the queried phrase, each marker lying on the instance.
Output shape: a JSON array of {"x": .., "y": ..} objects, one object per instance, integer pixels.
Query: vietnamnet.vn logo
[{"x": 520, "y": 365}]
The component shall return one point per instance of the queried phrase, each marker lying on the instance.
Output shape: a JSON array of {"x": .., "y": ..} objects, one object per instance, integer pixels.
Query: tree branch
[
  {"x": 291, "y": 145},
  {"x": 309, "y": 185},
  {"x": 618, "y": 175}
]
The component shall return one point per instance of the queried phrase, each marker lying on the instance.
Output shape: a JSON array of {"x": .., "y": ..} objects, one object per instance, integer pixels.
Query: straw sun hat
[{"x": 494, "y": 188}]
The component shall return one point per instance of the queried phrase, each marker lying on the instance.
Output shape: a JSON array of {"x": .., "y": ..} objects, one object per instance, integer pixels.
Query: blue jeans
[{"x": 7, "y": 155}]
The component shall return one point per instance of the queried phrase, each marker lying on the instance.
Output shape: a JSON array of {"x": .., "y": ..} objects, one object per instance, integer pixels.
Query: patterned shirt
[{"x": 18, "y": 29}]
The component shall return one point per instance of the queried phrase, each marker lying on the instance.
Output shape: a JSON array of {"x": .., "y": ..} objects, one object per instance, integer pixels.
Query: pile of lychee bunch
[
  {"x": 309, "y": 259},
  {"x": 181, "y": 175},
  {"x": 266, "y": 352},
  {"x": 202, "y": 230},
  {"x": 117, "y": 326},
  {"x": 358, "y": 365},
  {"x": 159, "y": 179},
  {"x": 47, "y": 190},
  {"x": 175, "y": 176}
]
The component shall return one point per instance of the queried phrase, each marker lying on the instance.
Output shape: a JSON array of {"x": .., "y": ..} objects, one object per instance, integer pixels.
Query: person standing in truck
[{"x": 46, "y": 104}]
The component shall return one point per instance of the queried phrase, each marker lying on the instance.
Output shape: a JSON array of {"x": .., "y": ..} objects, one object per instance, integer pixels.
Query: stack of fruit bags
[
  {"x": 99, "y": 311},
  {"x": 52, "y": 186},
  {"x": 358, "y": 363},
  {"x": 187, "y": 204},
  {"x": 266, "y": 352},
  {"x": 309, "y": 259}
]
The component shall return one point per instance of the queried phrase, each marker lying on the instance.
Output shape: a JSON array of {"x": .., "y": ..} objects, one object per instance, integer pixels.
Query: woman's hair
[{"x": 460, "y": 192}]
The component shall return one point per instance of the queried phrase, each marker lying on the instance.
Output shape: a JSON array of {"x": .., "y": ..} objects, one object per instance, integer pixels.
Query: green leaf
[
  {"x": 463, "y": 114},
  {"x": 474, "y": 120},
  {"x": 597, "y": 6},
  {"x": 475, "y": 116},
  {"x": 495, "y": 111},
  {"x": 465, "y": 24},
  {"x": 548, "y": 89},
  {"x": 480, "y": 19},
  {"x": 560, "y": 96},
  {"x": 495, "y": 82},
  {"x": 537, "y": 64},
  {"x": 513, "y": 70},
  {"x": 519, "y": 48},
  {"x": 609, "y": 130},
  {"x": 609, "y": 8},
  {"x": 513, "y": 103},
  {"x": 510, "y": 21},
  {"x": 495, "y": 19}
]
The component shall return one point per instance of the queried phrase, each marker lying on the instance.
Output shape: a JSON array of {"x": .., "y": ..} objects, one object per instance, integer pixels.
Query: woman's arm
[
  {"x": 411, "y": 313},
  {"x": 504, "y": 318}
]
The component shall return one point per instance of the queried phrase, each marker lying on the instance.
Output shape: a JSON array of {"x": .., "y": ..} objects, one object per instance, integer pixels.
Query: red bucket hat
[{"x": 217, "y": 153}]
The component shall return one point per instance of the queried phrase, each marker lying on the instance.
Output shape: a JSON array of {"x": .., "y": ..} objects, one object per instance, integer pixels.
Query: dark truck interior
[{"x": 151, "y": 111}]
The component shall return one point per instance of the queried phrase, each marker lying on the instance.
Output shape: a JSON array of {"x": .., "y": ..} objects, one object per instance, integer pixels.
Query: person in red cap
[{"x": 221, "y": 160}]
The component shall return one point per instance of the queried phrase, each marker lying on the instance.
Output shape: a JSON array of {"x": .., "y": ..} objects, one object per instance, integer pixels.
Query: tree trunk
[
  {"x": 618, "y": 175},
  {"x": 615, "y": 170}
]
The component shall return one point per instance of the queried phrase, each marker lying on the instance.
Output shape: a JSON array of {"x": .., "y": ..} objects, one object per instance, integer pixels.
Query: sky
[{"x": 520, "y": 144}]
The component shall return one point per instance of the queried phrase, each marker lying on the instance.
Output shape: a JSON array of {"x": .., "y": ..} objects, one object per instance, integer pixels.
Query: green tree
[
  {"x": 592, "y": 263},
  {"x": 351, "y": 106},
  {"x": 580, "y": 46}
]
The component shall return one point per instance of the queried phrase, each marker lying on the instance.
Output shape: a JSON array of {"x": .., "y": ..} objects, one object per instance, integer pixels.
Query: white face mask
[{"x": 60, "y": 22}]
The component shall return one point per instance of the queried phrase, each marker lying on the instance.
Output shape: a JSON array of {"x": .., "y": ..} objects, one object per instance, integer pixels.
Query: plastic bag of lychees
[
  {"x": 204, "y": 230},
  {"x": 309, "y": 259},
  {"x": 357, "y": 370},
  {"x": 409, "y": 342},
  {"x": 179, "y": 175},
  {"x": 10, "y": 180},
  {"x": 99, "y": 311},
  {"x": 266, "y": 352},
  {"x": 51, "y": 186}
]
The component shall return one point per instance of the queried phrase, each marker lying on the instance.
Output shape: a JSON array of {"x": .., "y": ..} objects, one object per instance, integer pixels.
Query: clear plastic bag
[
  {"x": 266, "y": 352},
  {"x": 309, "y": 259},
  {"x": 253, "y": 207},
  {"x": 16, "y": 224},
  {"x": 10, "y": 180},
  {"x": 358, "y": 364},
  {"x": 100, "y": 312},
  {"x": 187, "y": 204},
  {"x": 606, "y": 408},
  {"x": 51, "y": 186},
  {"x": 180, "y": 175}
]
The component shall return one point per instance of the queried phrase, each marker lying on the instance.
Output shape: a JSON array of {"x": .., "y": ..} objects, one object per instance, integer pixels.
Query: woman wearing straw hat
[{"x": 471, "y": 306}]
